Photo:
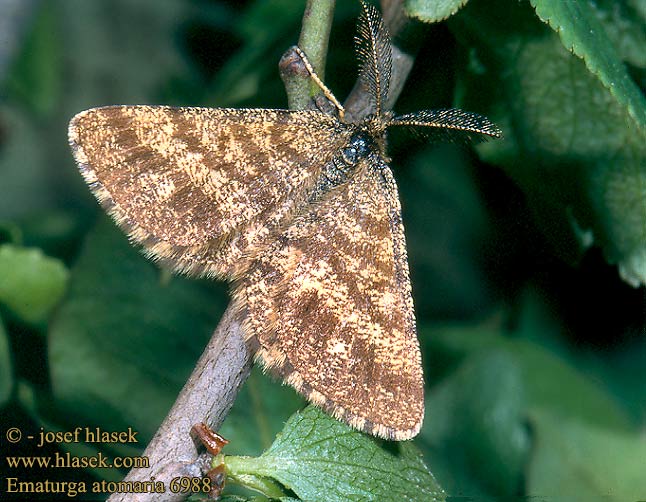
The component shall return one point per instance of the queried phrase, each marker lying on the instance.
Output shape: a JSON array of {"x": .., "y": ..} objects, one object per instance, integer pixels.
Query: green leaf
[
  {"x": 583, "y": 34},
  {"x": 6, "y": 371},
  {"x": 322, "y": 459},
  {"x": 474, "y": 429},
  {"x": 43, "y": 412},
  {"x": 126, "y": 335},
  {"x": 238, "y": 498},
  {"x": 31, "y": 284},
  {"x": 626, "y": 28},
  {"x": 433, "y": 11},
  {"x": 258, "y": 484},
  {"x": 576, "y": 148},
  {"x": 549, "y": 381},
  {"x": 36, "y": 77},
  {"x": 574, "y": 460}
]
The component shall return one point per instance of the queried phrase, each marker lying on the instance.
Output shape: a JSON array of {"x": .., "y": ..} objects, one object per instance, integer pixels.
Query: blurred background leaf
[
  {"x": 6, "y": 373},
  {"x": 571, "y": 459},
  {"x": 474, "y": 430},
  {"x": 162, "y": 326},
  {"x": 31, "y": 284},
  {"x": 259, "y": 413},
  {"x": 36, "y": 79},
  {"x": 578, "y": 135}
]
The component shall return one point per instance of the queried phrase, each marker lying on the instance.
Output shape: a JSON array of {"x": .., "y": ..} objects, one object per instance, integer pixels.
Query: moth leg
[{"x": 326, "y": 91}]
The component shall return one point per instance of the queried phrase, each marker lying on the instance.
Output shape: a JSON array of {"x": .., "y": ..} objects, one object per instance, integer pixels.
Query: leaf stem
[
  {"x": 243, "y": 470},
  {"x": 314, "y": 38}
]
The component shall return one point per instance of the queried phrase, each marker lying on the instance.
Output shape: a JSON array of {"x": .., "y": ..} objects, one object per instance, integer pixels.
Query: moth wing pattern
[
  {"x": 203, "y": 189},
  {"x": 329, "y": 308}
]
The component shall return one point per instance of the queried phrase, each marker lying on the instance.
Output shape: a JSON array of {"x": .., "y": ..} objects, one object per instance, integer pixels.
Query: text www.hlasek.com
[
  {"x": 71, "y": 488},
  {"x": 65, "y": 460}
]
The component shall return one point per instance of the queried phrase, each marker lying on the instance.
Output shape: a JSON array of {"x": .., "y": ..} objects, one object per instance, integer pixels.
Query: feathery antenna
[{"x": 375, "y": 55}]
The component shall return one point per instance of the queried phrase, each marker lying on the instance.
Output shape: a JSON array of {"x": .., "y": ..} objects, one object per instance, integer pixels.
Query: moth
[{"x": 300, "y": 211}]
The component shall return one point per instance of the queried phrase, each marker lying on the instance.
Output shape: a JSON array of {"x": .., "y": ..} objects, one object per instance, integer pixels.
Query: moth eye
[{"x": 350, "y": 155}]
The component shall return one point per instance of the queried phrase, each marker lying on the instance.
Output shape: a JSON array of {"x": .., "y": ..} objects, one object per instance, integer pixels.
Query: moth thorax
[{"x": 338, "y": 170}]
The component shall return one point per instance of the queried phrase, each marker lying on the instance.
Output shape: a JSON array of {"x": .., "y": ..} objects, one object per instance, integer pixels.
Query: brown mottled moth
[{"x": 299, "y": 209}]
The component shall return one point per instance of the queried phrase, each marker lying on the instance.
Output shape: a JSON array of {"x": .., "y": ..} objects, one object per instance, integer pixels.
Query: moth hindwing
[{"x": 300, "y": 211}]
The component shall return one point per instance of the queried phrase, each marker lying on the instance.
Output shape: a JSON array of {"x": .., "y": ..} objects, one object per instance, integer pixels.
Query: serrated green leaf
[
  {"x": 31, "y": 284},
  {"x": 571, "y": 144},
  {"x": 127, "y": 336},
  {"x": 322, "y": 459},
  {"x": 6, "y": 369},
  {"x": 433, "y": 11},
  {"x": 583, "y": 34},
  {"x": 574, "y": 460},
  {"x": 476, "y": 414}
]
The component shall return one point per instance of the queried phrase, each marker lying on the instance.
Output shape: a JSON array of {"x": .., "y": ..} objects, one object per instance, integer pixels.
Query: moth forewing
[{"x": 203, "y": 189}]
